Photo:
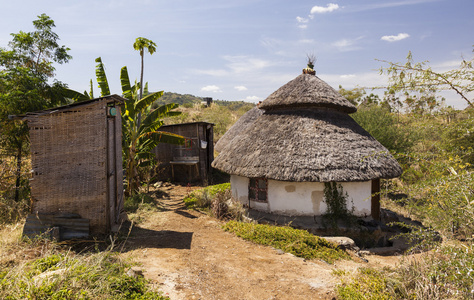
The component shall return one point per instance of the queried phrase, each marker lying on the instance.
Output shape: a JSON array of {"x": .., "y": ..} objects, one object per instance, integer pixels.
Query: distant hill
[
  {"x": 169, "y": 97},
  {"x": 188, "y": 100}
]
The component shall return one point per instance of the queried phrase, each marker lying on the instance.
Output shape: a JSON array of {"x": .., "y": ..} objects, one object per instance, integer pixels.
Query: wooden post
[{"x": 375, "y": 207}]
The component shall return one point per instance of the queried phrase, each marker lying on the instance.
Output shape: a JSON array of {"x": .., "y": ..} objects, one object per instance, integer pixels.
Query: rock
[
  {"x": 279, "y": 251},
  {"x": 135, "y": 272},
  {"x": 342, "y": 242},
  {"x": 49, "y": 275}
]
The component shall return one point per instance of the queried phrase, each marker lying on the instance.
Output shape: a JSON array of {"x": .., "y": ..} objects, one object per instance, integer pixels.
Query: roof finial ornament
[{"x": 309, "y": 69}]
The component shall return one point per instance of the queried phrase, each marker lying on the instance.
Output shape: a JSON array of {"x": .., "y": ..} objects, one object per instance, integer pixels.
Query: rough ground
[{"x": 188, "y": 256}]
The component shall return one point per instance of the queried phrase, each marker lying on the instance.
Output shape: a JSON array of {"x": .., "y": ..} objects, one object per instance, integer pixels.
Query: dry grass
[{"x": 42, "y": 269}]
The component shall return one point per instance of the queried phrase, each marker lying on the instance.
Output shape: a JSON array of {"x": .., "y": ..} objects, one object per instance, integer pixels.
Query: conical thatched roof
[
  {"x": 309, "y": 139},
  {"x": 307, "y": 90},
  {"x": 242, "y": 123}
]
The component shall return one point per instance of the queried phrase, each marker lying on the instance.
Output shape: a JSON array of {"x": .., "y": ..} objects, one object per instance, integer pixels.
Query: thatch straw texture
[
  {"x": 307, "y": 91},
  {"x": 307, "y": 145},
  {"x": 242, "y": 123}
]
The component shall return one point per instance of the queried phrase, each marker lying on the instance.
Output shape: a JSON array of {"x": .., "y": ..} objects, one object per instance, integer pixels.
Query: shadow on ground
[{"x": 162, "y": 239}]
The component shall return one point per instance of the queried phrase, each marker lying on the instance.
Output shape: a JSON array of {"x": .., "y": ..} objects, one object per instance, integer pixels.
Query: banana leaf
[
  {"x": 101, "y": 77},
  {"x": 159, "y": 113},
  {"x": 74, "y": 95},
  {"x": 147, "y": 100}
]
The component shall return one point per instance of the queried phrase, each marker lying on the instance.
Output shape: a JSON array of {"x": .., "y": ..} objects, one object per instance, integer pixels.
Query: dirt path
[{"x": 189, "y": 256}]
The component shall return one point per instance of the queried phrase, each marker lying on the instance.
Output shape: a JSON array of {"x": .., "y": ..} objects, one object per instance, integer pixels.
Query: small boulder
[{"x": 342, "y": 242}]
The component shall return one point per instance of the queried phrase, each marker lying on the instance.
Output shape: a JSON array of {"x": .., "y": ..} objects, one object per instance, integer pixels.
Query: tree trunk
[
  {"x": 18, "y": 172},
  {"x": 139, "y": 117}
]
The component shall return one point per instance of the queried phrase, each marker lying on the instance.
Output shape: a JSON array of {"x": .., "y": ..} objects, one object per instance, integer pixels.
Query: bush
[
  {"x": 385, "y": 127},
  {"x": 202, "y": 198},
  {"x": 133, "y": 203},
  {"x": 446, "y": 273},
  {"x": 440, "y": 188}
]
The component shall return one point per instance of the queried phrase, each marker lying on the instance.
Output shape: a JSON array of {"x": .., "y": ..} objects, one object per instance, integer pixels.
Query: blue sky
[{"x": 245, "y": 50}]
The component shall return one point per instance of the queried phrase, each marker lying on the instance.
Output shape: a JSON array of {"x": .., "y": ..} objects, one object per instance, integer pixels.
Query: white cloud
[
  {"x": 240, "y": 88},
  {"x": 343, "y": 43},
  {"x": 321, "y": 9},
  {"x": 385, "y": 4},
  {"x": 347, "y": 76},
  {"x": 253, "y": 98},
  {"x": 395, "y": 38},
  {"x": 211, "y": 88},
  {"x": 301, "y": 20}
]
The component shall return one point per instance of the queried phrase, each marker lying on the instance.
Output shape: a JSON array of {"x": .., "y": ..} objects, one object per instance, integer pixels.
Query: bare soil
[{"x": 187, "y": 255}]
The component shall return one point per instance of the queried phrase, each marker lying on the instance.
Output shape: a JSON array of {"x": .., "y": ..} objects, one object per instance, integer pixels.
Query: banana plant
[{"x": 138, "y": 139}]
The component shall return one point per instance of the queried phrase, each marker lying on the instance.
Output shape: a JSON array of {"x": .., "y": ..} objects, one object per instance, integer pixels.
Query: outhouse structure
[{"x": 76, "y": 168}]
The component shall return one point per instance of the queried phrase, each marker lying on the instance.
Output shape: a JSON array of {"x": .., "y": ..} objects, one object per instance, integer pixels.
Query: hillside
[{"x": 223, "y": 114}]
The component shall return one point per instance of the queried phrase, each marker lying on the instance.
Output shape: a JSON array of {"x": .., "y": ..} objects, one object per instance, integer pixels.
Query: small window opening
[{"x": 258, "y": 189}]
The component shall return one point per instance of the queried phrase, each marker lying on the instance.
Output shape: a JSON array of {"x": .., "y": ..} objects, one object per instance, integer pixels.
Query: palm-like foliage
[
  {"x": 141, "y": 44},
  {"x": 138, "y": 138}
]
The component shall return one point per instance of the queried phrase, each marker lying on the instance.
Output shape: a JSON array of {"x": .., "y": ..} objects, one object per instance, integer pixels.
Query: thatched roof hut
[{"x": 306, "y": 135}]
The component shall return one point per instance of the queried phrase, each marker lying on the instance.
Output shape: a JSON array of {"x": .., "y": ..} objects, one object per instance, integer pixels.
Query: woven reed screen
[{"x": 69, "y": 162}]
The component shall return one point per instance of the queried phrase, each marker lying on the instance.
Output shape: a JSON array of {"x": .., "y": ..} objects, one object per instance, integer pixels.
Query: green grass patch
[
  {"x": 297, "y": 242},
  {"x": 368, "y": 284}
]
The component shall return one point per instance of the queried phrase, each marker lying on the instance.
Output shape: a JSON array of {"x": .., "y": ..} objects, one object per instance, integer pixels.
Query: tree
[
  {"x": 382, "y": 125},
  {"x": 140, "y": 45},
  {"x": 422, "y": 79},
  {"x": 354, "y": 95},
  {"x": 25, "y": 69}
]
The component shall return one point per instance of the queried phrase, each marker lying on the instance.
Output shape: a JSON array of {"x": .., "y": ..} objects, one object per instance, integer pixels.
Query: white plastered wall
[{"x": 303, "y": 198}]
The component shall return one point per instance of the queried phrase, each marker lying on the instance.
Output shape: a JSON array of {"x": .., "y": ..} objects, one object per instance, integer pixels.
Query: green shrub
[
  {"x": 297, "y": 242},
  {"x": 202, "y": 198},
  {"x": 368, "y": 284},
  {"x": 133, "y": 203}
]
